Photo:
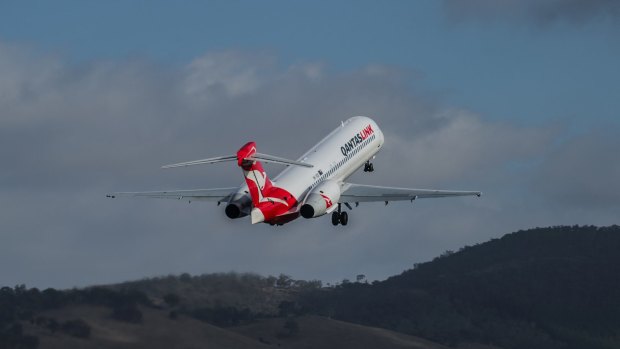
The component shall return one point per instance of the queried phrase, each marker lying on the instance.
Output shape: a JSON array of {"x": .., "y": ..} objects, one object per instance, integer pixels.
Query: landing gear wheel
[
  {"x": 371, "y": 168},
  {"x": 344, "y": 218},
  {"x": 335, "y": 218}
]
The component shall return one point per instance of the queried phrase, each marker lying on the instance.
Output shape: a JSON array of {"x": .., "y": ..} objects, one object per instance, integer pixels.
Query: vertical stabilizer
[
  {"x": 269, "y": 202},
  {"x": 255, "y": 176}
]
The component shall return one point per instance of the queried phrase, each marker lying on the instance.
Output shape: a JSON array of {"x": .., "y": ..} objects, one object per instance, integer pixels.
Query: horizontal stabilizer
[
  {"x": 277, "y": 160},
  {"x": 203, "y": 161},
  {"x": 255, "y": 157}
]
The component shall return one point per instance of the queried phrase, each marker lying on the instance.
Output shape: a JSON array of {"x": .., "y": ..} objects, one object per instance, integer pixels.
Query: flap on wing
[
  {"x": 217, "y": 194},
  {"x": 366, "y": 193}
]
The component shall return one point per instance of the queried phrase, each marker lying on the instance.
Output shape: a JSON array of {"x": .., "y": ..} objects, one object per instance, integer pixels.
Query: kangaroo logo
[{"x": 260, "y": 179}]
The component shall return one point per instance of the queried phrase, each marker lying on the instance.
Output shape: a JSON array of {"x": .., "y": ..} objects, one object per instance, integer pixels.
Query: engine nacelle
[
  {"x": 238, "y": 208},
  {"x": 320, "y": 199}
]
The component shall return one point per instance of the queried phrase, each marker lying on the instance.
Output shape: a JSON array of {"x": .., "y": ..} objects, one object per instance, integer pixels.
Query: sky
[{"x": 518, "y": 99}]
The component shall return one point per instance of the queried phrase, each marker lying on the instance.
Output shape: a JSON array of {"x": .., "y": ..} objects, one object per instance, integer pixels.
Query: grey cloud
[
  {"x": 463, "y": 146},
  {"x": 69, "y": 134},
  {"x": 235, "y": 73},
  {"x": 541, "y": 12},
  {"x": 582, "y": 172}
]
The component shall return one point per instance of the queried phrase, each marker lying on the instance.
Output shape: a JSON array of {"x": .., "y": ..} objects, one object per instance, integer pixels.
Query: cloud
[
  {"x": 71, "y": 133},
  {"x": 235, "y": 73},
  {"x": 541, "y": 12},
  {"x": 463, "y": 145},
  {"x": 583, "y": 172}
]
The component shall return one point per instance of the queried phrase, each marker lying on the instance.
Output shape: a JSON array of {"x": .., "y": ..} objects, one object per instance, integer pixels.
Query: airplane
[{"x": 311, "y": 186}]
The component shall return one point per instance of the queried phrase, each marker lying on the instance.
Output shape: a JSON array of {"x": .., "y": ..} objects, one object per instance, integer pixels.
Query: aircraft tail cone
[{"x": 257, "y": 216}]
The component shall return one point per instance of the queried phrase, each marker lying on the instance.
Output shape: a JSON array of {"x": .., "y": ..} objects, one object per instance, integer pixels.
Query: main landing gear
[
  {"x": 340, "y": 217},
  {"x": 368, "y": 167}
]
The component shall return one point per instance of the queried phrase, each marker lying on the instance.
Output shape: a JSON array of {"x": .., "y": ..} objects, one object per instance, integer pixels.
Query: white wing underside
[
  {"x": 217, "y": 194},
  {"x": 368, "y": 193}
]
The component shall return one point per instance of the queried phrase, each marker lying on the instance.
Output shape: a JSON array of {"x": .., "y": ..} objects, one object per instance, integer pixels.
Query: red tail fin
[{"x": 254, "y": 174}]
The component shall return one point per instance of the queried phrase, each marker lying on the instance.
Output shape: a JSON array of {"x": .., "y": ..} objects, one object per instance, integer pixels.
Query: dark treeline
[
  {"x": 543, "y": 288},
  {"x": 259, "y": 294}
]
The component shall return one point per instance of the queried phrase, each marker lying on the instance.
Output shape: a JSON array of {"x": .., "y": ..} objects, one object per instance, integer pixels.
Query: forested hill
[{"x": 546, "y": 288}]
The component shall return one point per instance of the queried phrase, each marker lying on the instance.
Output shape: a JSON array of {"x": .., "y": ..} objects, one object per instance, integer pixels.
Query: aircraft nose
[{"x": 257, "y": 216}]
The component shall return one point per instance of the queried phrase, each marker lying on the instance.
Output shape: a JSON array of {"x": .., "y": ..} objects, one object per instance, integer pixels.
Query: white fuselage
[{"x": 335, "y": 157}]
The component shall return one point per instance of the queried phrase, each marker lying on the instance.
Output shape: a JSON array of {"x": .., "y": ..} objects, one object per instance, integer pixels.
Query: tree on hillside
[
  {"x": 185, "y": 277},
  {"x": 172, "y": 299},
  {"x": 284, "y": 281}
]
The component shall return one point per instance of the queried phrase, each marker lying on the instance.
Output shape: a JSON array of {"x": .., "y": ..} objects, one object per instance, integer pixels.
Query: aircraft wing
[
  {"x": 367, "y": 193},
  {"x": 218, "y": 194}
]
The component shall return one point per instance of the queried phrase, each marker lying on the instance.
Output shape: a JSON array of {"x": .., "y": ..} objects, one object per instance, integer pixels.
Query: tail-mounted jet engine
[
  {"x": 320, "y": 199},
  {"x": 238, "y": 208}
]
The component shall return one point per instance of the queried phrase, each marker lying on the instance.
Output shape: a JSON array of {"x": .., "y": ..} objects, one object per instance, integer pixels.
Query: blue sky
[{"x": 518, "y": 99}]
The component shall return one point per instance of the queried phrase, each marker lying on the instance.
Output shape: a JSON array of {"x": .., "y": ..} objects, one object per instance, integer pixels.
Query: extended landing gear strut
[
  {"x": 340, "y": 217},
  {"x": 368, "y": 167}
]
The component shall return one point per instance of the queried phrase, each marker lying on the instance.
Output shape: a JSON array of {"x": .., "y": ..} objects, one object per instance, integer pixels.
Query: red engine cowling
[{"x": 320, "y": 199}]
